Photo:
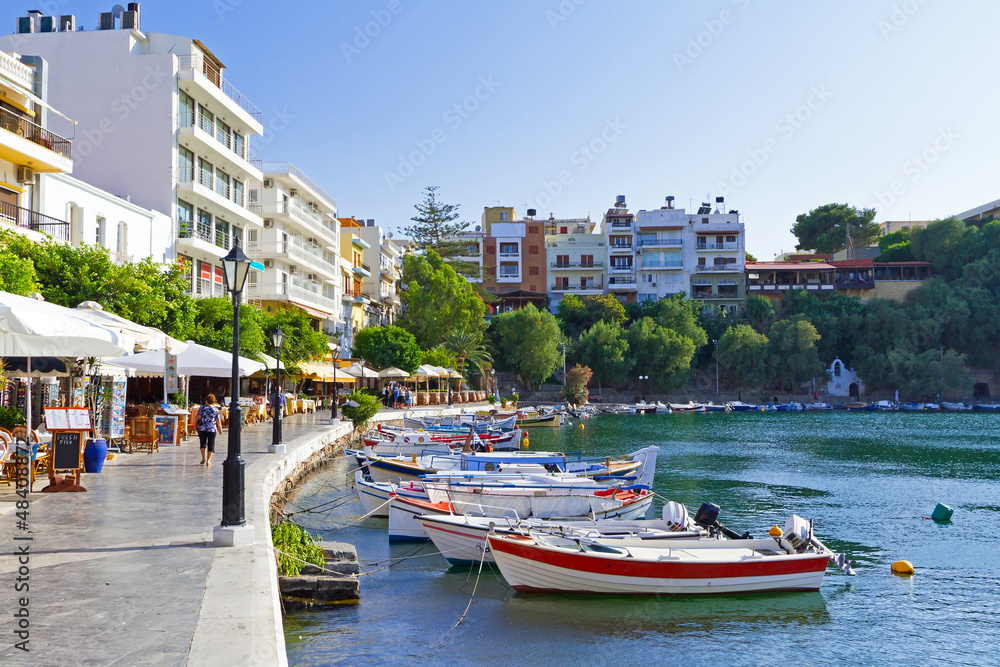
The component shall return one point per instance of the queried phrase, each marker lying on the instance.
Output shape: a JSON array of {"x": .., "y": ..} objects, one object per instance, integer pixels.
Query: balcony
[
  {"x": 590, "y": 287},
  {"x": 32, "y": 143},
  {"x": 210, "y": 140},
  {"x": 863, "y": 283},
  {"x": 729, "y": 267},
  {"x": 622, "y": 268},
  {"x": 621, "y": 224},
  {"x": 295, "y": 294},
  {"x": 718, "y": 246},
  {"x": 362, "y": 270},
  {"x": 770, "y": 286},
  {"x": 309, "y": 220},
  {"x": 668, "y": 265},
  {"x": 508, "y": 277},
  {"x": 36, "y": 222},
  {"x": 219, "y": 196},
  {"x": 509, "y": 255},
  {"x": 660, "y": 243},
  {"x": 291, "y": 170},
  {"x": 199, "y": 237},
  {"x": 622, "y": 283},
  {"x": 620, "y": 247},
  {"x": 191, "y": 66},
  {"x": 576, "y": 265},
  {"x": 300, "y": 256}
]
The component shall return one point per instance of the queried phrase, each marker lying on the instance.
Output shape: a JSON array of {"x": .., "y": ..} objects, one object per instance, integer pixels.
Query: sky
[{"x": 561, "y": 105}]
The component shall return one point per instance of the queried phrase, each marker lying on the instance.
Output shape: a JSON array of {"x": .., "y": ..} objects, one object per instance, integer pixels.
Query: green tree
[
  {"x": 302, "y": 341},
  {"x": 437, "y": 300},
  {"x": 17, "y": 274},
  {"x": 435, "y": 229},
  {"x": 825, "y": 229},
  {"x": 743, "y": 355},
  {"x": 468, "y": 348},
  {"x": 677, "y": 313},
  {"x": 213, "y": 326},
  {"x": 604, "y": 308},
  {"x": 792, "y": 357},
  {"x": 528, "y": 341},
  {"x": 572, "y": 315},
  {"x": 604, "y": 349},
  {"x": 760, "y": 312},
  {"x": 360, "y": 408},
  {"x": 949, "y": 245},
  {"x": 438, "y": 356},
  {"x": 575, "y": 390},
  {"x": 387, "y": 346},
  {"x": 661, "y": 353}
]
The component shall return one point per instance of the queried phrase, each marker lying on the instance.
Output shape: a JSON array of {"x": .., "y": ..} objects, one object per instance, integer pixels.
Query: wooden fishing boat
[
  {"x": 541, "y": 420},
  {"x": 540, "y": 563}
]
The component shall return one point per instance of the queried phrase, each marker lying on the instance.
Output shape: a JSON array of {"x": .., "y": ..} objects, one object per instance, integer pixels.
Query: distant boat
[
  {"x": 912, "y": 407},
  {"x": 817, "y": 407},
  {"x": 956, "y": 407},
  {"x": 987, "y": 407},
  {"x": 857, "y": 405},
  {"x": 740, "y": 406}
]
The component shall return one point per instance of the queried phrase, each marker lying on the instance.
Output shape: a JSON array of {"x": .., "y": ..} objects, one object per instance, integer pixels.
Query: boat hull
[{"x": 529, "y": 568}]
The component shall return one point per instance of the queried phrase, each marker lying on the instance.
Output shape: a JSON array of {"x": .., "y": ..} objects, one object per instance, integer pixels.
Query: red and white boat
[{"x": 540, "y": 563}]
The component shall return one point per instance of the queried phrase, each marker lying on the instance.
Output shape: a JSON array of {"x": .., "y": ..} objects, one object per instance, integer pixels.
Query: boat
[
  {"x": 712, "y": 407},
  {"x": 541, "y": 420},
  {"x": 817, "y": 407},
  {"x": 883, "y": 406},
  {"x": 688, "y": 407},
  {"x": 740, "y": 406},
  {"x": 460, "y": 423},
  {"x": 911, "y": 407},
  {"x": 663, "y": 408},
  {"x": 534, "y": 496},
  {"x": 539, "y": 563},
  {"x": 986, "y": 407},
  {"x": 955, "y": 407},
  {"x": 644, "y": 409},
  {"x": 855, "y": 406},
  {"x": 794, "y": 406},
  {"x": 461, "y": 538}
]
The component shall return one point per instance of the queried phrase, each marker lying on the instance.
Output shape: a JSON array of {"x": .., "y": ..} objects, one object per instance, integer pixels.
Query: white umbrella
[
  {"x": 146, "y": 338},
  {"x": 393, "y": 372},
  {"x": 195, "y": 360},
  {"x": 34, "y": 328}
]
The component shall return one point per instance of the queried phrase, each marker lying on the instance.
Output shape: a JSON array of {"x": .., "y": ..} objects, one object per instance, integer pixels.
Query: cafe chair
[{"x": 143, "y": 436}]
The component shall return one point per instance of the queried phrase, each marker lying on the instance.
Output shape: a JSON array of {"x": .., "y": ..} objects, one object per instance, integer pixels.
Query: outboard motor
[
  {"x": 675, "y": 515},
  {"x": 707, "y": 516}
]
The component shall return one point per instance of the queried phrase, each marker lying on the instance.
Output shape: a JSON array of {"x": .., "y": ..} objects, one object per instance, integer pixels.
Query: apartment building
[
  {"x": 576, "y": 257},
  {"x": 298, "y": 246},
  {"x": 618, "y": 226},
  {"x": 514, "y": 257},
  {"x": 357, "y": 302},
  {"x": 161, "y": 126},
  {"x": 701, "y": 253},
  {"x": 382, "y": 284}
]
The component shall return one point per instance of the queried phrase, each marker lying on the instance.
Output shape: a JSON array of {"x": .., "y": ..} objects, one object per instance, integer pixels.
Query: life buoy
[
  {"x": 406, "y": 439},
  {"x": 420, "y": 439}
]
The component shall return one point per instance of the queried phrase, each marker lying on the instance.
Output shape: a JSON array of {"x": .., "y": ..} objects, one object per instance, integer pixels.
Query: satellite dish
[
  {"x": 390, "y": 235},
  {"x": 118, "y": 10},
  {"x": 479, "y": 228}
]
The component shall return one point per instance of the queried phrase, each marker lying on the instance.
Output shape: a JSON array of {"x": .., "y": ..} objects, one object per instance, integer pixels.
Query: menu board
[
  {"x": 67, "y": 419},
  {"x": 66, "y": 450},
  {"x": 117, "y": 423}
]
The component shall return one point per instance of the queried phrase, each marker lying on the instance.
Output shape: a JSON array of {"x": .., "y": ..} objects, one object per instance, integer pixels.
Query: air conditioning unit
[
  {"x": 268, "y": 264},
  {"x": 293, "y": 270},
  {"x": 293, "y": 192},
  {"x": 25, "y": 175},
  {"x": 268, "y": 223},
  {"x": 268, "y": 182}
]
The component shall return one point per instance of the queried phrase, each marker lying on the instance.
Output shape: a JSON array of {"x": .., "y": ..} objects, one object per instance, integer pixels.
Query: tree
[
  {"x": 743, "y": 357},
  {"x": 575, "y": 391},
  {"x": 677, "y": 313},
  {"x": 792, "y": 357},
  {"x": 528, "y": 341},
  {"x": 949, "y": 245},
  {"x": 437, "y": 300},
  {"x": 436, "y": 230},
  {"x": 760, "y": 312},
  {"x": 604, "y": 308},
  {"x": 360, "y": 408},
  {"x": 302, "y": 342},
  {"x": 17, "y": 274},
  {"x": 661, "y": 353},
  {"x": 825, "y": 229},
  {"x": 383, "y": 347},
  {"x": 213, "y": 326},
  {"x": 468, "y": 348},
  {"x": 750, "y": 258},
  {"x": 603, "y": 348},
  {"x": 438, "y": 356},
  {"x": 572, "y": 315}
]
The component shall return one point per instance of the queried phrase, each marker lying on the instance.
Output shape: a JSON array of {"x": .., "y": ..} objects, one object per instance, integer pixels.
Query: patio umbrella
[
  {"x": 34, "y": 328},
  {"x": 427, "y": 372},
  {"x": 198, "y": 360},
  {"x": 146, "y": 338},
  {"x": 393, "y": 372}
]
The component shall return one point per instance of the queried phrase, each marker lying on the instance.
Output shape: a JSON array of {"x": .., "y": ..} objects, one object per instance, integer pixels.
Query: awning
[{"x": 324, "y": 373}]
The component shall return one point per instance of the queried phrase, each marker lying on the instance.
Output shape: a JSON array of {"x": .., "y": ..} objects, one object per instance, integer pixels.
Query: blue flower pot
[{"x": 94, "y": 455}]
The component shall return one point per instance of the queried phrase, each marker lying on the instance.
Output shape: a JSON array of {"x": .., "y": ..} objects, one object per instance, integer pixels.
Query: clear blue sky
[{"x": 781, "y": 107}]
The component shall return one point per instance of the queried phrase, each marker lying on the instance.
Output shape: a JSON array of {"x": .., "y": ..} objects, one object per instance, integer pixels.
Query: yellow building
[
  {"x": 353, "y": 273},
  {"x": 494, "y": 214},
  {"x": 893, "y": 226}
]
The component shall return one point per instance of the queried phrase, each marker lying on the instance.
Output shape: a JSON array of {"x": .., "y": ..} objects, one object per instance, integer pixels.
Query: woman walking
[{"x": 209, "y": 423}]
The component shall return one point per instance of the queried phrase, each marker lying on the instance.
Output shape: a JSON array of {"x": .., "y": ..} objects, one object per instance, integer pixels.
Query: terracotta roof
[
  {"x": 866, "y": 263},
  {"x": 789, "y": 265}
]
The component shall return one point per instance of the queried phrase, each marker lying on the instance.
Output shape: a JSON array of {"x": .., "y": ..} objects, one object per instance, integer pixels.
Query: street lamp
[
  {"x": 716, "y": 367},
  {"x": 362, "y": 360},
  {"x": 563, "y": 345},
  {"x": 333, "y": 410},
  {"x": 450, "y": 371},
  {"x": 642, "y": 387},
  {"x": 278, "y": 338},
  {"x": 234, "y": 529}
]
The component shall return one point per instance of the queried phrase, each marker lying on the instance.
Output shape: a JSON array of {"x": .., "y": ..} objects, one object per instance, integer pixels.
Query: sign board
[
  {"x": 173, "y": 409},
  {"x": 166, "y": 429},
  {"x": 117, "y": 423},
  {"x": 170, "y": 382},
  {"x": 65, "y": 419},
  {"x": 67, "y": 450}
]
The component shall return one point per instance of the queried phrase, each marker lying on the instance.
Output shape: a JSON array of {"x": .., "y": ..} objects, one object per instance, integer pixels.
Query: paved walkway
[{"x": 126, "y": 573}]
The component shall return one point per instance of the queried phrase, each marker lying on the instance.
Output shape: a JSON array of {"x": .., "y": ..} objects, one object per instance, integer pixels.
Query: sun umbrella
[
  {"x": 196, "y": 360},
  {"x": 393, "y": 372},
  {"x": 146, "y": 338}
]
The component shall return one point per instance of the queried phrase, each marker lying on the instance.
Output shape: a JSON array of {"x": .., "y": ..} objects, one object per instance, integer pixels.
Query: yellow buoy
[
  {"x": 580, "y": 425},
  {"x": 902, "y": 567},
  {"x": 775, "y": 532}
]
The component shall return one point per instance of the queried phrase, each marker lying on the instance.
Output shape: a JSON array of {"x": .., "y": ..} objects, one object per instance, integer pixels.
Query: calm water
[{"x": 864, "y": 478}]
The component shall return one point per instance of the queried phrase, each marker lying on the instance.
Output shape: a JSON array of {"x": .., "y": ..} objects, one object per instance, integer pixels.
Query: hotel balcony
[
  {"x": 293, "y": 294},
  {"x": 509, "y": 255},
  {"x": 201, "y": 72},
  {"x": 198, "y": 134},
  {"x": 862, "y": 283},
  {"x": 676, "y": 265},
  {"x": 23, "y": 142},
  {"x": 622, "y": 268},
  {"x": 660, "y": 243},
  {"x": 811, "y": 286},
  {"x": 204, "y": 189},
  {"x": 311, "y": 221},
  {"x": 362, "y": 270},
  {"x": 195, "y": 237},
  {"x": 271, "y": 167},
  {"x": 620, "y": 247},
  {"x": 619, "y": 224},
  {"x": 508, "y": 277},
  {"x": 571, "y": 266},
  {"x": 36, "y": 222},
  {"x": 729, "y": 267},
  {"x": 717, "y": 246},
  {"x": 301, "y": 257},
  {"x": 593, "y": 287},
  {"x": 622, "y": 284}
]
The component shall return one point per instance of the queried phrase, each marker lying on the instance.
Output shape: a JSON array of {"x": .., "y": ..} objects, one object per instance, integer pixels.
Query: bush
[
  {"x": 366, "y": 407},
  {"x": 293, "y": 540},
  {"x": 575, "y": 390},
  {"x": 11, "y": 417},
  {"x": 503, "y": 402}
]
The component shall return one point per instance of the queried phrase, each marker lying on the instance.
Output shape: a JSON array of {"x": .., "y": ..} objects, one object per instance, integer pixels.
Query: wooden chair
[
  {"x": 143, "y": 435},
  {"x": 6, "y": 450}
]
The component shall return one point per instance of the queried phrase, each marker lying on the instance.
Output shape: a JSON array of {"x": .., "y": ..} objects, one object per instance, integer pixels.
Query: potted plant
[
  {"x": 503, "y": 403},
  {"x": 513, "y": 398}
]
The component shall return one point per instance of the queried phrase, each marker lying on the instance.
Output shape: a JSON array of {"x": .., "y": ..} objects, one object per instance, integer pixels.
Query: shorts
[{"x": 207, "y": 439}]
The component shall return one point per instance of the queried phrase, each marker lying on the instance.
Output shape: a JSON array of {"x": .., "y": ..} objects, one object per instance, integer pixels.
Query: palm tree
[{"x": 468, "y": 348}]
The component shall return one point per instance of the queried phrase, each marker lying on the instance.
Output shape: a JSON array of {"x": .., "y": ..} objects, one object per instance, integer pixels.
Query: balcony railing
[
  {"x": 620, "y": 224},
  {"x": 620, "y": 280},
  {"x": 193, "y": 119},
  {"x": 23, "y": 127},
  {"x": 621, "y": 268},
  {"x": 510, "y": 255},
  {"x": 310, "y": 220},
  {"x": 295, "y": 292},
  {"x": 577, "y": 265},
  {"x": 659, "y": 243},
  {"x": 868, "y": 283},
  {"x": 576, "y": 288},
  {"x": 718, "y": 246},
  {"x": 291, "y": 170},
  {"x": 28, "y": 219},
  {"x": 668, "y": 264},
  {"x": 620, "y": 246},
  {"x": 202, "y": 65},
  {"x": 729, "y": 266}
]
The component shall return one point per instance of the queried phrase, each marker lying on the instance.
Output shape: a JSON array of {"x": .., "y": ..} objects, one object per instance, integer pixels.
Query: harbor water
[{"x": 865, "y": 479}]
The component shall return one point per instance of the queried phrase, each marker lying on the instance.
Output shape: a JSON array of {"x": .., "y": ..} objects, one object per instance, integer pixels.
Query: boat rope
[
  {"x": 359, "y": 519},
  {"x": 471, "y": 597}
]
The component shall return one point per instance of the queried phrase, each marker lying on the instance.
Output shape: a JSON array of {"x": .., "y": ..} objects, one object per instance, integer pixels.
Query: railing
[
  {"x": 620, "y": 280},
  {"x": 289, "y": 168},
  {"x": 300, "y": 255},
  {"x": 28, "y": 219},
  {"x": 659, "y": 243},
  {"x": 362, "y": 265},
  {"x": 17, "y": 71},
  {"x": 510, "y": 255},
  {"x": 670, "y": 264},
  {"x": 717, "y": 246},
  {"x": 575, "y": 288},
  {"x": 620, "y": 224},
  {"x": 200, "y": 64},
  {"x": 298, "y": 293},
  {"x": 855, "y": 284},
  {"x": 577, "y": 265},
  {"x": 23, "y": 127},
  {"x": 621, "y": 267},
  {"x": 196, "y": 119},
  {"x": 620, "y": 246},
  {"x": 285, "y": 208},
  {"x": 510, "y": 276},
  {"x": 729, "y": 266}
]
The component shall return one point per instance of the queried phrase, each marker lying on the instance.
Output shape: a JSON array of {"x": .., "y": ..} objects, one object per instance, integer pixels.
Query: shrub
[
  {"x": 575, "y": 390},
  {"x": 11, "y": 417},
  {"x": 293, "y": 540},
  {"x": 363, "y": 409}
]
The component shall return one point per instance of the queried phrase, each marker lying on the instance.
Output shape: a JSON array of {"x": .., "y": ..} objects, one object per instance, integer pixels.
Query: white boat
[
  {"x": 539, "y": 498},
  {"x": 817, "y": 407},
  {"x": 794, "y": 561},
  {"x": 956, "y": 407}
]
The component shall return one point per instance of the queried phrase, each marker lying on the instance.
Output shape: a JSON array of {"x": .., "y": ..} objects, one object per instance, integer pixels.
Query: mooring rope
[{"x": 471, "y": 597}]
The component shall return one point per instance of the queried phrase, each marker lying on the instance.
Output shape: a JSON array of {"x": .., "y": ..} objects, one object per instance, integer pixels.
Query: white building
[
  {"x": 299, "y": 247},
  {"x": 702, "y": 254},
  {"x": 844, "y": 381},
  {"x": 575, "y": 257},
  {"x": 158, "y": 123},
  {"x": 618, "y": 227},
  {"x": 382, "y": 283}
]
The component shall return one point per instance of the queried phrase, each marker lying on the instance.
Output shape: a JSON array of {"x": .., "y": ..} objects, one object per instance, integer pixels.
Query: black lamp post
[
  {"x": 333, "y": 410},
  {"x": 236, "y": 267},
  {"x": 278, "y": 338},
  {"x": 450, "y": 371},
  {"x": 642, "y": 386}
]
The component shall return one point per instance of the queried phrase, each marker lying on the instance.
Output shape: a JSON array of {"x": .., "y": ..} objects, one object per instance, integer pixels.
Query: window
[
  {"x": 222, "y": 183},
  {"x": 185, "y": 216},
  {"x": 491, "y": 250},
  {"x": 185, "y": 165},
  {"x": 731, "y": 238},
  {"x": 563, "y": 230},
  {"x": 99, "y": 238},
  {"x": 586, "y": 282},
  {"x": 586, "y": 260},
  {"x": 222, "y": 134},
  {"x": 533, "y": 229},
  {"x": 508, "y": 248},
  {"x": 836, "y": 369},
  {"x": 185, "y": 109},
  {"x": 532, "y": 250},
  {"x": 532, "y": 271},
  {"x": 647, "y": 277},
  {"x": 701, "y": 261},
  {"x": 205, "y": 170},
  {"x": 122, "y": 239},
  {"x": 562, "y": 260},
  {"x": 562, "y": 283},
  {"x": 204, "y": 225},
  {"x": 239, "y": 146},
  {"x": 704, "y": 221},
  {"x": 238, "y": 192},
  {"x": 504, "y": 216},
  {"x": 206, "y": 120}
]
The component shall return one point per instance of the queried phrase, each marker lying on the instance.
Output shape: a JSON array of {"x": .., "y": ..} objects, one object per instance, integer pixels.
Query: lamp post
[
  {"x": 278, "y": 338},
  {"x": 333, "y": 410},
  {"x": 642, "y": 387},
  {"x": 362, "y": 360},
  {"x": 493, "y": 381},
  {"x": 563, "y": 345},
  {"x": 716, "y": 367},
  {"x": 234, "y": 529},
  {"x": 450, "y": 371}
]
